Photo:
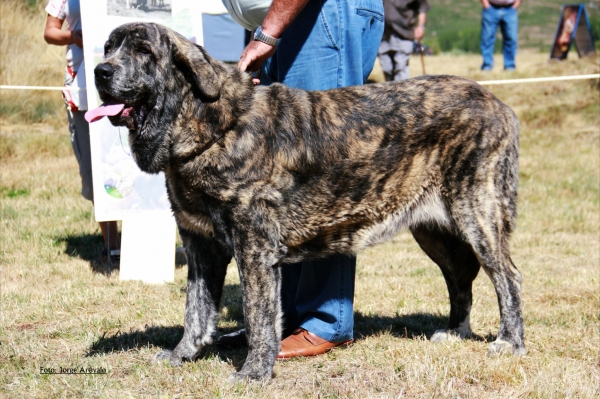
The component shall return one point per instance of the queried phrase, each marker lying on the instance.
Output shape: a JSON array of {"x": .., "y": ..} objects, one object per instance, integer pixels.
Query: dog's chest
[
  {"x": 197, "y": 223},
  {"x": 189, "y": 207}
]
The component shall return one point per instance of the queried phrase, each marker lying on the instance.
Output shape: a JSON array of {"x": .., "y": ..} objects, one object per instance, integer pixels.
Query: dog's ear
[{"x": 193, "y": 61}]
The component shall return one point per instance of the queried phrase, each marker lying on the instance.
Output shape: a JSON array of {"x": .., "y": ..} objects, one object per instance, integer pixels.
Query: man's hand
[
  {"x": 516, "y": 4},
  {"x": 77, "y": 38},
  {"x": 420, "y": 29},
  {"x": 486, "y": 4},
  {"x": 419, "y": 32},
  {"x": 254, "y": 55},
  {"x": 280, "y": 15}
]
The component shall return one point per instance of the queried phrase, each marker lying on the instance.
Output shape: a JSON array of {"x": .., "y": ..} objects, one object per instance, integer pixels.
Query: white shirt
[
  {"x": 248, "y": 13},
  {"x": 68, "y": 10}
]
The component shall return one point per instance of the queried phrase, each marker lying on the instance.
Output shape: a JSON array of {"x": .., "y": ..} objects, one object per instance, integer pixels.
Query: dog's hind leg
[
  {"x": 459, "y": 266},
  {"x": 507, "y": 282},
  {"x": 489, "y": 239},
  {"x": 207, "y": 266}
]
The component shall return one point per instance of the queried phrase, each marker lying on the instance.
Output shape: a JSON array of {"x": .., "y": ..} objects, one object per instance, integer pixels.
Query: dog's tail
[{"x": 509, "y": 173}]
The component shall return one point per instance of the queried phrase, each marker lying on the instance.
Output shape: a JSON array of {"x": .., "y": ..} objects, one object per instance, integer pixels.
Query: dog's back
[{"x": 354, "y": 165}]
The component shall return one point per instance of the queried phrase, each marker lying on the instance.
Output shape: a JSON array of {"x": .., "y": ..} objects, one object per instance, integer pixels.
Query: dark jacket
[{"x": 401, "y": 17}]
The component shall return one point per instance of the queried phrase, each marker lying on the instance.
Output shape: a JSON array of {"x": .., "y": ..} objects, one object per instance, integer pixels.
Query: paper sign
[
  {"x": 121, "y": 190},
  {"x": 148, "y": 247},
  {"x": 119, "y": 185},
  {"x": 573, "y": 27}
]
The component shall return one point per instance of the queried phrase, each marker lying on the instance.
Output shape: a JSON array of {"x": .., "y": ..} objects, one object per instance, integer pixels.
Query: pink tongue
[{"x": 102, "y": 111}]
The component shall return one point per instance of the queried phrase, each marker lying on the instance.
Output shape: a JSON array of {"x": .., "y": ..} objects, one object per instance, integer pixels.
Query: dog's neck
[
  {"x": 234, "y": 100},
  {"x": 210, "y": 121}
]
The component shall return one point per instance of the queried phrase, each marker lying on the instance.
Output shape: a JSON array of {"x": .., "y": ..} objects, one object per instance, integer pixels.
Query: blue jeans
[
  {"x": 332, "y": 43},
  {"x": 508, "y": 20}
]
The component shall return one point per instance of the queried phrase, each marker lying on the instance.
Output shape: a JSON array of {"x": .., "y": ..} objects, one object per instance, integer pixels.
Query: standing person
[
  {"x": 404, "y": 23},
  {"x": 60, "y": 11},
  {"x": 501, "y": 13},
  {"x": 312, "y": 45}
]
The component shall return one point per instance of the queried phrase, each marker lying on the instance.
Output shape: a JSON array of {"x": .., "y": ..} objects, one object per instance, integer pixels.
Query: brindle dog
[{"x": 272, "y": 175}]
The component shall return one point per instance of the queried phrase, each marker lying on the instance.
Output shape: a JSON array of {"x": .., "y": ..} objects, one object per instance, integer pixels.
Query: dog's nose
[{"x": 103, "y": 72}]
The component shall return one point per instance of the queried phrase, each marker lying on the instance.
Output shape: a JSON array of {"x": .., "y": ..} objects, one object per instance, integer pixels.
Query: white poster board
[
  {"x": 148, "y": 252},
  {"x": 121, "y": 190},
  {"x": 119, "y": 186}
]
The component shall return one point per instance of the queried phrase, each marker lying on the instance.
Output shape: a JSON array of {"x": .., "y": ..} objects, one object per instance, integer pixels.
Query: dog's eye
[
  {"x": 107, "y": 48},
  {"x": 144, "y": 50}
]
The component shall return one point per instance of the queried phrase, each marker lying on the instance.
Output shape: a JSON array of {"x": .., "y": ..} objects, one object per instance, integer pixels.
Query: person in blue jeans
[
  {"x": 501, "y": 13},
  {"x": 314, "y": 45}
]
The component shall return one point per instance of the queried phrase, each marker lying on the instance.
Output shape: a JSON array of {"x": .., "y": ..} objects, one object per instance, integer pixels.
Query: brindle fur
[{"x": 272, "y": 175}]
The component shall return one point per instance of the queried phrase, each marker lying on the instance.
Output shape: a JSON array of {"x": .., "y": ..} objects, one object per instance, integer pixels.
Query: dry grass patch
[
  {"x": 26, "y": 60},
  {"x": 58, "y": 309}
]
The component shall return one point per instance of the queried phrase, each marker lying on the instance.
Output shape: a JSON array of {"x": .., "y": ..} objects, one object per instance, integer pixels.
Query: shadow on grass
[
  {"x": 410, "y": 326},
  {"x": 168, "y": 337},
  {"x": 161, "y": 338},
  {"x": 83, "y": 246},
  {"x": 89, "y": 246}
]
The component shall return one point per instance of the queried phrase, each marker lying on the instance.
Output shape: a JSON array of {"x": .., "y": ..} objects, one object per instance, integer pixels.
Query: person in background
[
  {"x": 404, "y": 23},
  {"x": 60, "y": 11},
  {"x": 312, "y": 45},
  {"x": 501, "y": 13}
]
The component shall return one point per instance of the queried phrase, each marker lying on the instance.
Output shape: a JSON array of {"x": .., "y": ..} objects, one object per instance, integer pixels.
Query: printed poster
[
  {"x": 573, "y": 27},
  {"x": 119, "y": 185}
]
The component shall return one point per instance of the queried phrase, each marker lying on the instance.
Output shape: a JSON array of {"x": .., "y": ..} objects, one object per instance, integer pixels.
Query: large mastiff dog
[{"x": 271, "y": 175}]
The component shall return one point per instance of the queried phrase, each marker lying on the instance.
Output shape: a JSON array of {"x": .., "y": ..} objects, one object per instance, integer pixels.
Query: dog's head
[{"x": 144, "y": 76}]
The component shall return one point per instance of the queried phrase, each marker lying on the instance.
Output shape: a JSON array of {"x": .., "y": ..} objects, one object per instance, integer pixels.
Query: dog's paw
[
  {"x": 449, "y": 335},
  {"x": 241, "y": 377},
  {"x": 174, "y": 360},
  {"x": 499, "y": 347},
  {"x": 235, "y": 378}
]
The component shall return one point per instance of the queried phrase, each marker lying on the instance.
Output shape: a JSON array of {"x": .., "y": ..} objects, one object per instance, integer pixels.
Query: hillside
[{"x": 455, "y": 25}]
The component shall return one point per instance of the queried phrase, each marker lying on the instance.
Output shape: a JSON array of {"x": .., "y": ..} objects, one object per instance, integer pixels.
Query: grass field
[{"x": 60, "y": 309}]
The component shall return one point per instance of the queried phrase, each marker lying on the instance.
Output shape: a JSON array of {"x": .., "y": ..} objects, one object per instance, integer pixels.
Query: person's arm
[
  {"x": 516, "y": 4},
  {"x": 53, "y": 34},
  {"x": 485, "y": 3},
  {"x": 280, "y": 16},
  {"x": 420, "y": 28}
]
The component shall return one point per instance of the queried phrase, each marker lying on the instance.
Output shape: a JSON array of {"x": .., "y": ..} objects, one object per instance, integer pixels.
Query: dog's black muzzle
[{"x": 103, "y": 73}]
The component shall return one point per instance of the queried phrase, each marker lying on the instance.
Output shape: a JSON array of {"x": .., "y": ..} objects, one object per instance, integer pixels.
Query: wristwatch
[{"x": 263, "y": 37}]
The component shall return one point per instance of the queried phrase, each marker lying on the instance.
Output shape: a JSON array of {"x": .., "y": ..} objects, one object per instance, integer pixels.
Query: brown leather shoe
[{"x": 305, "y": 343}]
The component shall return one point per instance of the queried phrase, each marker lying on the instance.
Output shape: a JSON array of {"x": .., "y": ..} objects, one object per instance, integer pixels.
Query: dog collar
[{"x": 263, "y": 37}]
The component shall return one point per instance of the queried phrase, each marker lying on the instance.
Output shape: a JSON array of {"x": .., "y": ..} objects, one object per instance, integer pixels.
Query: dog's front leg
[
  {"x": 207, "y": 266},
  {"x": 260, "y": 277},
  {"x": 262, "y": 316}
]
